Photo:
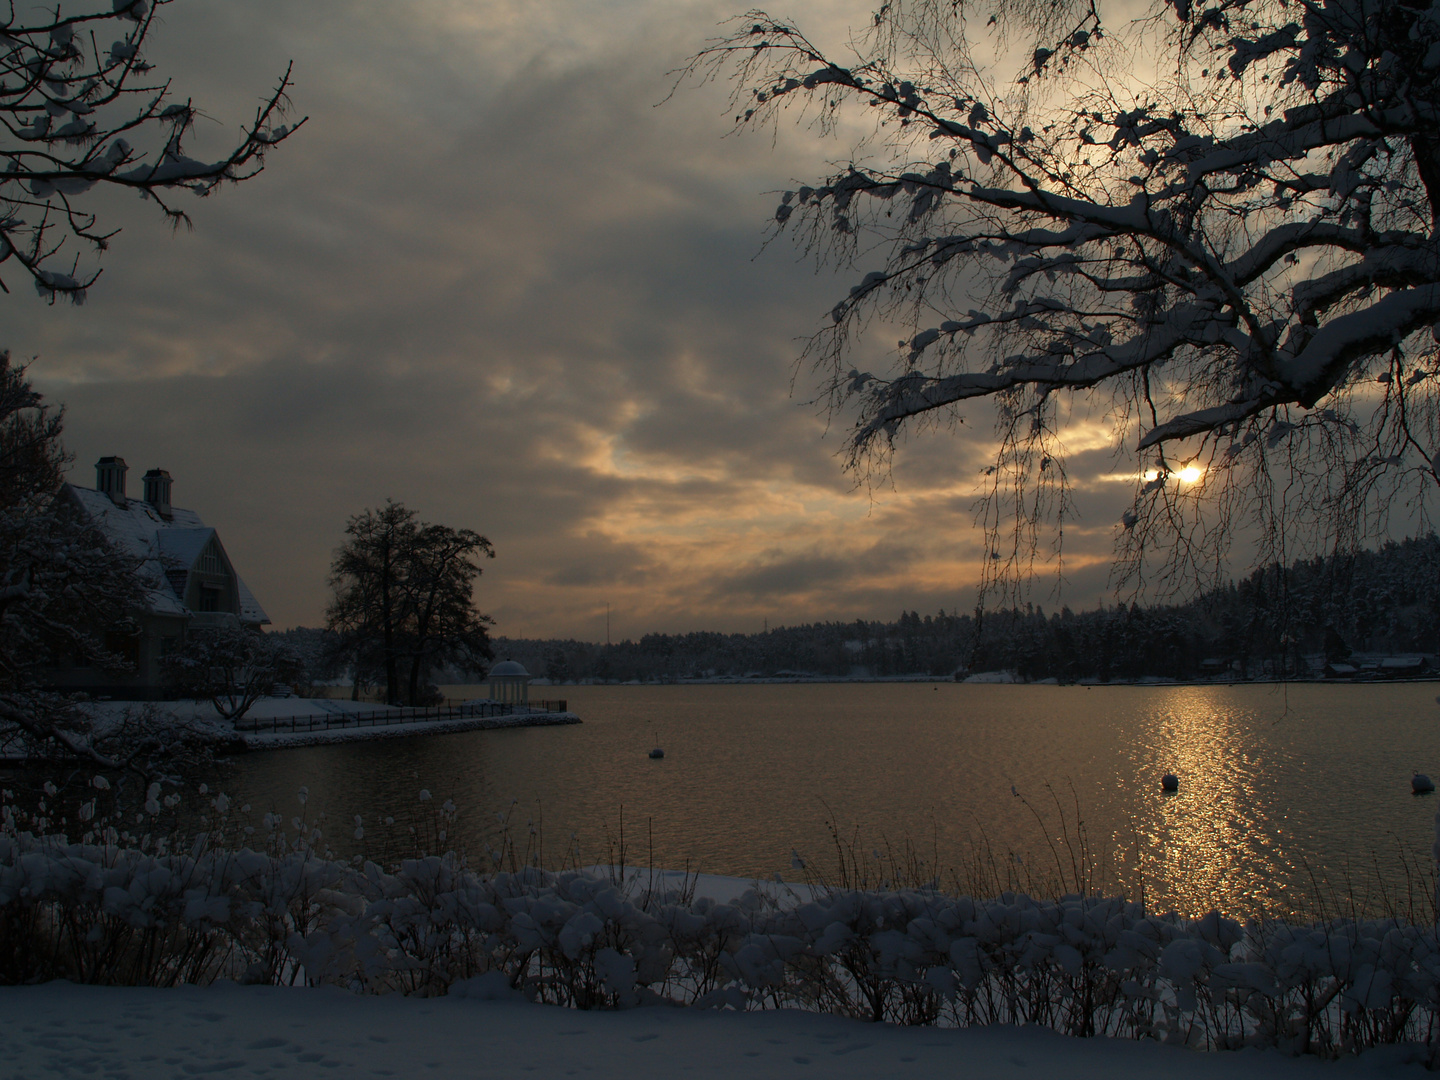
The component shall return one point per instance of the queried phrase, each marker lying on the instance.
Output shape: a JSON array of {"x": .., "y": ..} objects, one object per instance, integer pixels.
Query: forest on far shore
[{"x": 1276, "y": 622}]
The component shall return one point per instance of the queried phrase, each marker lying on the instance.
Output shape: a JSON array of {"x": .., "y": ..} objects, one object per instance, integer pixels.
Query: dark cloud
[
  {"x": 490, "y": 278},
  {"x": 789, "y": 576}
]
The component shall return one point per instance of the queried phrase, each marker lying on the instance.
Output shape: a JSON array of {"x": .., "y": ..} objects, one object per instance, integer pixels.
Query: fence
[{"x": 449, "y": 711}]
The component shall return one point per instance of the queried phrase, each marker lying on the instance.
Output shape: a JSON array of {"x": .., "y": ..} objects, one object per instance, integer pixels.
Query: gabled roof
[
  {"x": 183, "y": 546},
  {"x": 167, "y": 549}
]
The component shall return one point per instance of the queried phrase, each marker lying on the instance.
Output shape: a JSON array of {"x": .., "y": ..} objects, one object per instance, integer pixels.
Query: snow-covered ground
[
  {"x": 637, "y": 880},
  {"x": 481, "y": 1028},
  {"x": 63, "y": 1030}
]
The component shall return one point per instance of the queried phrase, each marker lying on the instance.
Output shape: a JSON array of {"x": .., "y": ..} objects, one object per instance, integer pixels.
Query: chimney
[
  {"x": 110, "y": 478},
  {"x": 157, "y": 491}
]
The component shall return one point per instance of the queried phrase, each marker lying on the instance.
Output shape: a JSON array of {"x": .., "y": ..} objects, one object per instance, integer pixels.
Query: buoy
[
  {"x": 1170, "y": 783},
  {"x": 1420, "y": 784},
  {"x": 657, "y": 753}
]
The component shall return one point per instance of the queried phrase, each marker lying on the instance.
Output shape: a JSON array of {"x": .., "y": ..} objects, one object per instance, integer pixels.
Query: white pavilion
[{"x": 510, "y": 683}]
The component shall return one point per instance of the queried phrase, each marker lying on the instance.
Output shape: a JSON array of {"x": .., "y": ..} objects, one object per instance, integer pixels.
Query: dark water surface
[{"x": 1280, "y": 786}]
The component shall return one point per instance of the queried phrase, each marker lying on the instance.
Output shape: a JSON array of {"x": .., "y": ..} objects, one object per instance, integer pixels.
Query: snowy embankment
[
  {"x": 275, "y": 740},
  {"x": 312, "y": 721},
  {"x": 110, "y": 914},
  {"x": 62, "y": 1030}
]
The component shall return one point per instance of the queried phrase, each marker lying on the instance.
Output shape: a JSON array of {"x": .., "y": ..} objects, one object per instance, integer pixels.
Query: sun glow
[{"x": 1190, "y": 474}]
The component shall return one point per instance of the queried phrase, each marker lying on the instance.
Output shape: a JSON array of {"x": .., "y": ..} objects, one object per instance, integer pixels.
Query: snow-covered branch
[
  {"x": 75, "y": 116},
  {"x": 1250, "y": 233}
]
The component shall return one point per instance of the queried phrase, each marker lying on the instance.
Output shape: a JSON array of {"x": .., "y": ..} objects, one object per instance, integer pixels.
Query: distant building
[
  {"x": 1380, "y": 667},
  {"x": 185, "y": 574},
  {"x": 1403, "y": 667},
  {"x": 509, "y": 683}
]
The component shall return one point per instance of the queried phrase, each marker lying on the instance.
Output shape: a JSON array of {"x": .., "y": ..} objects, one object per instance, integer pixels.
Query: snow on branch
[
  {"x": 1251, "y": 233},
  {"x": 76, "y": 114}
]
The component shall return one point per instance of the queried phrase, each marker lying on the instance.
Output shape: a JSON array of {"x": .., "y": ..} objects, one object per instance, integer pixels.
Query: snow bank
[
  {"x": 60, "y": 1030},
  {"x": 275, "y": 740},
  {"x": 103, "y": 913}
]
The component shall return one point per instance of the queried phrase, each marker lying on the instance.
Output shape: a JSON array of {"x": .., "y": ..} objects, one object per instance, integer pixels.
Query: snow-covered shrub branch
[
  {"x": 1217, "y": 225},
  {"x": 232, "y": 666},
  {"x": 77, "y": 111},
  {"x": 123, "y": 909}
]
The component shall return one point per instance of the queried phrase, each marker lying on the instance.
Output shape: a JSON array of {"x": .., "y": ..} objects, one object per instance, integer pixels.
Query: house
[
  {"x": 185, "y": 574},
  {"x": 1403, "y": 667}
]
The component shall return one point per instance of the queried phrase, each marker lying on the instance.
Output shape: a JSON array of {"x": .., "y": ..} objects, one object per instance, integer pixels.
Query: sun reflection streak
[{"x": 1190, "y": 843}]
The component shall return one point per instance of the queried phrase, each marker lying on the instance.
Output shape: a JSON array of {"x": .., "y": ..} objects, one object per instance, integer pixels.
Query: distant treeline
[{"x": 1385, "y": 601}]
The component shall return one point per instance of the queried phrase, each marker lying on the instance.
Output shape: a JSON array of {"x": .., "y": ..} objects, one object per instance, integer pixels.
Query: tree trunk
[
  {"x": 392, "y": 672},
  {"x": 415, "y": 665},
  {"x": 1427, "y": 161},
  {"x": 387, "y": 615}
]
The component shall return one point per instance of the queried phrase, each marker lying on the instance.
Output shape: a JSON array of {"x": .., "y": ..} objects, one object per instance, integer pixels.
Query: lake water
[{"x": 1281, "y": 788}]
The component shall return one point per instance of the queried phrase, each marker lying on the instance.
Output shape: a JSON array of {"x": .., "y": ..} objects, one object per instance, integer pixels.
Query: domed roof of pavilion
[{"x": 509, "y": 667}]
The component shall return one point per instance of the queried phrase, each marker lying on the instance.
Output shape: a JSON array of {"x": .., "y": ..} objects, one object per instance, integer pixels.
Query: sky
[{"x": 499, "y": 277}]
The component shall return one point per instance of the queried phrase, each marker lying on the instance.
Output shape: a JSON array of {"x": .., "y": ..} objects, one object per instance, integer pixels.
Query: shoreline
[
  {"x": 258, "y": 741},
  {"x": 342, "y": 724},
  {"x": 841, "y": 680}
]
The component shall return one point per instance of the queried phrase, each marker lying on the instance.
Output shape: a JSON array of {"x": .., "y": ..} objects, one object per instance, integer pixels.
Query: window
[
  {"x": 124, "y": 646},
  {"x": 209, "y": 598},
  {"x": 210, "y": 559}
]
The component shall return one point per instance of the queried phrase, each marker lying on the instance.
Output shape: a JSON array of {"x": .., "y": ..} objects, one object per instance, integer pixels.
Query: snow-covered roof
[
  {"x": 512, "y": 668},
  {"x": 167, "y": 548},
  {"x": 182, "y": 545}
]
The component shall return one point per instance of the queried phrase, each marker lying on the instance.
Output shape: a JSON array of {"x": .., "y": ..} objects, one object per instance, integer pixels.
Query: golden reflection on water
[
  {"x": 1190, "y": 844},
  {"x": 1284, "y": 792}
]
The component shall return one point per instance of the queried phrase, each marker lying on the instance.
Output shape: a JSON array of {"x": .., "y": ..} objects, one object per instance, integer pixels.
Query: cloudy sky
[{"x": 496, "y": 278}]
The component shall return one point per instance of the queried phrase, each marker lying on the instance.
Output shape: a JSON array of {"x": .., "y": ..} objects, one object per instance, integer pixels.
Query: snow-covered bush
[
  {"x": 268, "y": 905},
  {"x": 232, "y": 666}
]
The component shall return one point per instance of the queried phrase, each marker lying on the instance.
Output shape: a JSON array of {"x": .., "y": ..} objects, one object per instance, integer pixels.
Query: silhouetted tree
[
  {"x": 1238, "y": 254},
  {"x": 404, "y": 597},
  {"x": 62, "y": 588}
]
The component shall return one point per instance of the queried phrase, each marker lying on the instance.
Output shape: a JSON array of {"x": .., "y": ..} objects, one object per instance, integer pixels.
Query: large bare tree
[
  {"x": 1216, "y": 224},
  {"x": 404, "y": 598}
]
